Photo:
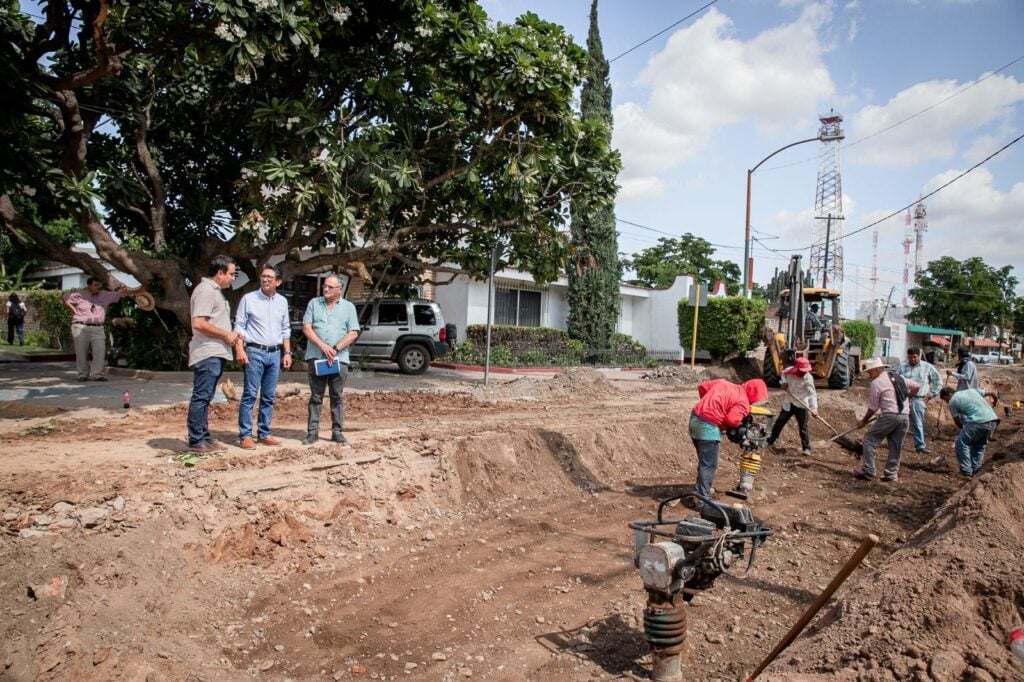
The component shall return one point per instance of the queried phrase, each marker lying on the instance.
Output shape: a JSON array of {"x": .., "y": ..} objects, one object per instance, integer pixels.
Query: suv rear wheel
[{"x": 413, "y": 359}]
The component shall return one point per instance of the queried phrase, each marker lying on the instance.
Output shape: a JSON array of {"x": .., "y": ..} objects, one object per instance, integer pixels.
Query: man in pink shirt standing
[
  {"x": 892, "y": 404},
  {"x": 88, "y": 313}
]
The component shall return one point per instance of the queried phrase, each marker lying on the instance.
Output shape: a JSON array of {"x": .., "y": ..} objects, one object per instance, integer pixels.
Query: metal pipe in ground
[{"x": 865, "y": 546}]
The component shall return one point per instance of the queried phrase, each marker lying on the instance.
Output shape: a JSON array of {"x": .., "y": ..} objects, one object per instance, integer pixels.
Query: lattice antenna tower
[
  {"x": 874, "y": 264},
  {"x": 826, "y": 262},
  {"x": 920, "y": 227},
  {"x": 908, "y": 239}
]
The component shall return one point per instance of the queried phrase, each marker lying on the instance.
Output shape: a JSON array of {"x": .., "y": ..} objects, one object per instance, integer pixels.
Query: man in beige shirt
[{"x": 210, "y": 348}]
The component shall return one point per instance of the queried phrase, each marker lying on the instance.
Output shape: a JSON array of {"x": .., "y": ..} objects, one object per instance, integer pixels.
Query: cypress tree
[{"x": 594, "y": 269}]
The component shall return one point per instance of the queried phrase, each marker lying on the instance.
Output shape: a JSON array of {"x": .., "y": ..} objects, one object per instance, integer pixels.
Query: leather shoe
[
  {"x": 310, "y": 439},
  {"x": 204, "y": 449},
  {"x": 247, "y": 443},
  {"x": 339, "y": 438},
  {"x": 99, "y": 378},
  {"x": 861, "y": 476},
  {"x": 269, "y": 440}
]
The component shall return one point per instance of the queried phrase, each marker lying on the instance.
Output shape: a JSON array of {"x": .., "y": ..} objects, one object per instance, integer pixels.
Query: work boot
[
  {"x": 269, "y": 440},
  {"x": 339, "y": 438},
  {"x": 310, "y": 439}
]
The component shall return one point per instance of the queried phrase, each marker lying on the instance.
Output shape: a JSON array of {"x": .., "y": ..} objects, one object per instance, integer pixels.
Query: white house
[{"x": 648, "y": 315}]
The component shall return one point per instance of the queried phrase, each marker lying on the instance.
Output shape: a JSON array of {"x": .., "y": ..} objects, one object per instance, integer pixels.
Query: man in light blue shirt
[
  {"x": 925, "y": 374},
  {"x": 977, "y": 422},
  {"x": 262, "y": 320},
  {"x": 331, "y": 325}
]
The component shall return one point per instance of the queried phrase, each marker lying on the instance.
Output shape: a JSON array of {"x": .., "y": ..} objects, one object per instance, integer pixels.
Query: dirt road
[{"x": 461, "y": 536}]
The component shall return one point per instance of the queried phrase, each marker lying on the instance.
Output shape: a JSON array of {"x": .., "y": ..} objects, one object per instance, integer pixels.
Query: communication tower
[
  {"x": 908, "y": 239},
  {"x": 874, "y": 263},
  {"x": 826, "y": 262},
  {"x": 920, "y": 227}
]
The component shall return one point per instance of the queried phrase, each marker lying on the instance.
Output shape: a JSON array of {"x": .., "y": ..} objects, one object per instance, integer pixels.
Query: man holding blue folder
[{"x": 331, "y": 326}]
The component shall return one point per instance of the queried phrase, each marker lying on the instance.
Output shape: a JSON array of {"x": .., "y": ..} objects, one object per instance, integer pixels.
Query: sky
[{"x": 927, "y": 89}]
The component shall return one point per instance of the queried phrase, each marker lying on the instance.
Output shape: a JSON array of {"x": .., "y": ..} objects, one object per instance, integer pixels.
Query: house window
[{"x": 518, "y": 307}]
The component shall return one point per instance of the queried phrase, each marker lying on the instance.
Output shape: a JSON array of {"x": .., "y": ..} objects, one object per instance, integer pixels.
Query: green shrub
[
  {"x": 156, "y": 341},
  {"x": 39, "y": 339},
  {"x": 501, "y": 356},
  {"x": 54, "y": 317},
  {"x": 534, "y": 358},
  {"x": 465, "y": 353},
  {"x": 861, "y": 333},
  {"x": 726, "y": 326}
]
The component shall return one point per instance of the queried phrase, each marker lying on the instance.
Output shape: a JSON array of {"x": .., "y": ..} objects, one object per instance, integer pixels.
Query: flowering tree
[{"x": 387, "y": 134}]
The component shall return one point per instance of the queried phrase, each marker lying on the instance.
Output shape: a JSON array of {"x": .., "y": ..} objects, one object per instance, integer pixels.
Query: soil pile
[
  {"x": 580, "y": 382},
  {"x": 940, "y": 607}
]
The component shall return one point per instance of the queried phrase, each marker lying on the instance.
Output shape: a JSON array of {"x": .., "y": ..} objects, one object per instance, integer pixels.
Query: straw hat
[
  {"x": 873, "y": 363},
  {"x": 145, "y": 300}
]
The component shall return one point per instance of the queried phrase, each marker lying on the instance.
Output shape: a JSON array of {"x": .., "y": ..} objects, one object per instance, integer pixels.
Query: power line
[
  {"x": 915, "y": 201},
  {"x": 667, "y": 28},
  {"x": 908, "y": 118},
  {"x": 940, "y": 188}
]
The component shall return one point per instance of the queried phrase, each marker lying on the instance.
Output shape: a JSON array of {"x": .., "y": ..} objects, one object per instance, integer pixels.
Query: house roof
[
  {"x": 937, "y": 340},
  {"x": 986, "y": 343}
]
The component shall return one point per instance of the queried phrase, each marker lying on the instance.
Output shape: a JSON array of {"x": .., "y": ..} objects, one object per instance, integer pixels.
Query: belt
[
  {"x": 269, "y": 349},
  {"x": 89, "y": 324}
]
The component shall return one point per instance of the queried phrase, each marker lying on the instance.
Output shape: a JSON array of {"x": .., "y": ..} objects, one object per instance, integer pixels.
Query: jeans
[
  {"x": 801, "y": 420},
  {"x": 86, "y": 338},
  {"x": 707, "y": 466},
  {"x": 917, "y": 411},
  {"x": 892, "y": 428},
  {"x": 260, "y": 377},
  {"x": 15, "y": 327},
  {"x": 334, "y": 383},
  {"x": 971, "y": 443},
  {"x": 205, "y": 374}
]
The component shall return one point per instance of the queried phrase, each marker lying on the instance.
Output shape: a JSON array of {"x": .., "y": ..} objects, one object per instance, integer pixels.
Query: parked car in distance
[
  {"x": 993, "y": 357},
  {"x": 411, "y": 333}
]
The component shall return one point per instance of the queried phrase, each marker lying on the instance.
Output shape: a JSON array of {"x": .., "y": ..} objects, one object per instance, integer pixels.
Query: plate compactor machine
[
  {"x": 680, "y": 558},
  {"x": 752, "y": 437}
]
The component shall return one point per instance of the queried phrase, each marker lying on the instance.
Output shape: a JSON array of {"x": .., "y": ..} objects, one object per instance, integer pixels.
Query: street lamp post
[{"x": 748, "y": 271}]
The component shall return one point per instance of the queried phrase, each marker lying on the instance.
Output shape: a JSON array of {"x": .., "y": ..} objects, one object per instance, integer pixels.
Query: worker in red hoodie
[{"x": 722, "y": 405}]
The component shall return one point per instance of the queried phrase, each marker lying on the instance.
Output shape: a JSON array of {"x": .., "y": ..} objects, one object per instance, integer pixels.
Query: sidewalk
[{"x": 32, "y": 389}]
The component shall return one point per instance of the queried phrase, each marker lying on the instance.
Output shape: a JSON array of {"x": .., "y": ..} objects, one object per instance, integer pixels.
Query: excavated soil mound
[
  {"x": 940, "y": 608},
  {"x": 581, "y": 382}
]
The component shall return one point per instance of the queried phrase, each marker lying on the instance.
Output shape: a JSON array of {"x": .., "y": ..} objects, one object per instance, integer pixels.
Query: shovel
[{"x": 842, "y": 438}]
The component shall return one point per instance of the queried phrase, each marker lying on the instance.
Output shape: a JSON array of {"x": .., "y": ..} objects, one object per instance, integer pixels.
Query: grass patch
[
  {"x": 32, "y": 350},
  {"x": 42, "y": 429}
]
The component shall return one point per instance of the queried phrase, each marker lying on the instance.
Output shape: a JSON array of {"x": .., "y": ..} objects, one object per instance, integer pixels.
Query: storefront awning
[
  {"x": 922, "y": 329},
  {"x": 937, "y": 341}
]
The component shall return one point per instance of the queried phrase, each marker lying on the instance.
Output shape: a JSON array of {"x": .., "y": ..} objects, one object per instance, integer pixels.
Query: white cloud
[
  {"x": 972, "y": 217},
  {"x": 933, "y": 134},
  {"x": 641, "y": 188},
  {"x": 705, "y": 79}
]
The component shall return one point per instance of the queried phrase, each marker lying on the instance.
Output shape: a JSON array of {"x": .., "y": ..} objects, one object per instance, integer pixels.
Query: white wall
[{"x": 648, "y": 315}]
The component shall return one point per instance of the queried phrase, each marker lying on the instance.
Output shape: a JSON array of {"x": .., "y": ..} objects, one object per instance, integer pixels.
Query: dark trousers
[
  {"x": 334, "y": 384},
  {"x": 801, "y": 420},
  {"x": 205, "y": 374},
  {"x": 15, "y": 327}
]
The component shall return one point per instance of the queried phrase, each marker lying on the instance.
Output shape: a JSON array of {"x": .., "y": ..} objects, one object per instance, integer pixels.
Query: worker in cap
[{"x": 800, "y": 399}]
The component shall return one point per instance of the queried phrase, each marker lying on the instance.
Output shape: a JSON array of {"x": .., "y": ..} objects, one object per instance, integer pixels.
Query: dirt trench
[{"x": 460, "y": 537}]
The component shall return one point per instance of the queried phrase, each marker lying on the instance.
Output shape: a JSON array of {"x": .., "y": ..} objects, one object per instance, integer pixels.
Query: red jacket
[{"x": 725, "y": 404}]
